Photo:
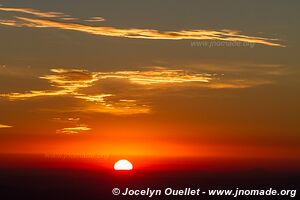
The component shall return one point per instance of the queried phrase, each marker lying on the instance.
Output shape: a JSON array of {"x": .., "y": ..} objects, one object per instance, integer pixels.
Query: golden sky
[{"x": 183, "y": 82}]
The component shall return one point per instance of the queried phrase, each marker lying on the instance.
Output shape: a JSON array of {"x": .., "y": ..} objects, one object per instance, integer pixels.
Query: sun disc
[{"x": 123, "y": 165}]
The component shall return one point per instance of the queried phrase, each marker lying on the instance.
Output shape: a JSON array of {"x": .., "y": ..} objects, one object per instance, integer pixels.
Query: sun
[{"x": 123, "y": 165}]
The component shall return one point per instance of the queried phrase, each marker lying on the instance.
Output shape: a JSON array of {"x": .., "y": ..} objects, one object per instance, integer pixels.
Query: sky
[{"x": 191, "y": 79}]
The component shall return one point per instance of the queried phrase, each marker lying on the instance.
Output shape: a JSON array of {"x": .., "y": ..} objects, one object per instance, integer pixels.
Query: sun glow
[{"x": 123, "y": 165}]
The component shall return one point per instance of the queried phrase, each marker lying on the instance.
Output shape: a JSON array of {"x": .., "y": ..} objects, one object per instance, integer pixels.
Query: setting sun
[{"x": 123, "y": 165}]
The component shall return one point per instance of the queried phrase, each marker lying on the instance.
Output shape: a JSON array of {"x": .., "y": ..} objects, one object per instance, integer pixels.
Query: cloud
[
  {"x": 95, "y": 19},
  {"x": 156, "y": 76},
  {"x": 73, "y": 119},
  {"x": 66, "y": 120},
  {"x": 69, "y": 18},
  {"x": 120, "y": 107},
  {"x": 74, "y": 130},
  {"x": 238, "y": 84},
  {"x": 5, "y": 126},
  {"x": 94, "y": 98},
  {"x": 35, "y": 12},
  {"x": 84, "y": 85},
  {"x": 63, "y": 81},
  {"x": 45, "y": 20},
  {"x": 9, "y": 22},
  {"x": 222, "y": 35},
  {"x": 70, "y": 81}
]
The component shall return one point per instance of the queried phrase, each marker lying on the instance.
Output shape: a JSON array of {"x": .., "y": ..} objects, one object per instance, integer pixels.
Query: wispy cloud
[
  {"x": 73, "y": 126},
  {"x": 223, "y": 35},
  {"x": 45, "y": 20},
  {"x": 74, "y": 130},
  {"x": 35, "y": 12},
  {"x": 69, "y": 18},
  {"x": 120, "y": 107},
  {"x": 5, "y": 126},
  {"x": 66, "y": 120},
  {"x": 157, "y": 76},
  {"x": 79, "y": 83},
  {"x": 100, "y": 98},
  {"x": 95, "y": 19},
  {"x": 70, "y": 81},
  {"x": 9, "y": 22},
  {"x": 64, "y": 82},
  {"x": 238, "y": 83}
]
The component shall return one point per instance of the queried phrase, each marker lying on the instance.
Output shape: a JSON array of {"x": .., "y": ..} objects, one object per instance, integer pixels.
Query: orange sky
[{"x": 83, "y": 80}]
